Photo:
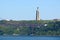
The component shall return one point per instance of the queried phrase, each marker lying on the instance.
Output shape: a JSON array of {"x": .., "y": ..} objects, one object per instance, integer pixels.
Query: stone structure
[{"x": 37, "y": 14}]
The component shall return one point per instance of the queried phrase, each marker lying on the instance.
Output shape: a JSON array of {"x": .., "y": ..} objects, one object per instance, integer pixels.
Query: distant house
[{"x": 45, "y": 24}]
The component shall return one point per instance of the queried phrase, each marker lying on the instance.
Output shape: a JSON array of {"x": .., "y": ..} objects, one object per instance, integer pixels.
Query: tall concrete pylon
[{"x": 37, "y": 14}]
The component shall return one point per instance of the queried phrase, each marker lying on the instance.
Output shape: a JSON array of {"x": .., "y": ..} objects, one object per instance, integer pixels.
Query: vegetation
[{"x": 35, "y": 28}]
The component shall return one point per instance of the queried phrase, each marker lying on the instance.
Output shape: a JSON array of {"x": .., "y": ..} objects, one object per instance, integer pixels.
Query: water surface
[{"x": 29, "y": 38}]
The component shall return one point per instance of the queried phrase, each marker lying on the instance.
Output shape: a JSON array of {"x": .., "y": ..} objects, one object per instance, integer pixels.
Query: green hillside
[{"x": 30, "y": 27}]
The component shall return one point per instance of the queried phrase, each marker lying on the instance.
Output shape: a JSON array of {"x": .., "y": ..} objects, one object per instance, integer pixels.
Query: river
[{"x": 29, "y": 38}]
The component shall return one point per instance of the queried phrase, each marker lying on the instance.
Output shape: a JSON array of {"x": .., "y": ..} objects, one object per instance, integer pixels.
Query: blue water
[{"x": 28, "y": 38}]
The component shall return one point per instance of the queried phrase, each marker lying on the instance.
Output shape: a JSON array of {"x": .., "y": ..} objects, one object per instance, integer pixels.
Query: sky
[{"x": 26, "y": 9}]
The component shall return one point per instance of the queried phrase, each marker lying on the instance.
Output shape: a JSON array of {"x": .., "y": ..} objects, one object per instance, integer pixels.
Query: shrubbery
[{"x": 30, "y": 28}]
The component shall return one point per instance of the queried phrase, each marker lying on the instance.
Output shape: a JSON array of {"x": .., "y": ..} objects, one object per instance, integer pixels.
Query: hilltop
[{"x": 30, "y": 27}]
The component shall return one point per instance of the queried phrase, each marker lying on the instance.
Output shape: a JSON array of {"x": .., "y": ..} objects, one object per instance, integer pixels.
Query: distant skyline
[{"x": 26, "y": 9}]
